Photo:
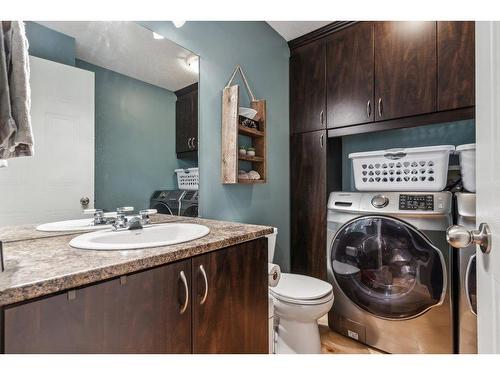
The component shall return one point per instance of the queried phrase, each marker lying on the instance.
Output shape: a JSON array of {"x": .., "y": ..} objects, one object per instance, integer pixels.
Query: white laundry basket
[
  {"x": 468, "y": 166},
  {"x": 188, "y": 179},
  {"x": 402, "y": 169}
]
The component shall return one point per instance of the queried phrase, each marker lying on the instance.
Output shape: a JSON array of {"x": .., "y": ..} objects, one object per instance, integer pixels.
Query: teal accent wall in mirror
[{"x": 135, "y": 75}]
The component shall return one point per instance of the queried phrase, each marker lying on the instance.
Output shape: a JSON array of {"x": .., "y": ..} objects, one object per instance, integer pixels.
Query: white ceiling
[
  {"x": 293, "y": 29},
  {"x": 130, "y": 49}
]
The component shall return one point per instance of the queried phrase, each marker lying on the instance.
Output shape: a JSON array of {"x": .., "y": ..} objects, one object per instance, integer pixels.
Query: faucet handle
[
  {"x": 93, "y": 211},
  {"x": 122, "y": 210},
  {"x": 145, "y": 215},
  {"x": 148, "y": 212}
]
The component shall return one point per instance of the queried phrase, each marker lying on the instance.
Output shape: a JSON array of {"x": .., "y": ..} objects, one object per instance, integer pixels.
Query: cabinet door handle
[
  {"x": 192, "y": 143},
  {"x": 369, "y": 108},
  {"x": 380, "y": 110},
  {"x": 189, "y": 143},
  {"x": 184, "y": 306},
  {"x": 322, "y": 117},
  {"x": 205, "y": 294},
  {"x": 322, "y": 140}
]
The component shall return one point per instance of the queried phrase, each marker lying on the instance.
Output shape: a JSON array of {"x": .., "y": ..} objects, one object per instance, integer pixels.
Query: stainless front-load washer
[
  {"x": 467, "y": 302},
  {"x": 390, "y": 267}
]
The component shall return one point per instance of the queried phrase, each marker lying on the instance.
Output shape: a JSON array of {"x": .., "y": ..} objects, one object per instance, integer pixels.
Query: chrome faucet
[
  {"x": 136, "y": 222},
  {"x": 121, "y": 218},
  {"x": 99, "y": 218}
]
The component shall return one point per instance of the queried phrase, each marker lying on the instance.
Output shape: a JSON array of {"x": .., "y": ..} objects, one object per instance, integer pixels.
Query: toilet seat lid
[{"x": 301, "y": 288}]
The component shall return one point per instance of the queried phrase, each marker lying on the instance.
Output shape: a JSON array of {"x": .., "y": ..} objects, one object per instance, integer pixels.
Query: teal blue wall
[
  {"x": 49, "y": 44},
  {"x": 134, "y": 139},
  {"x": 451, "y": 133},
  {"x": 264, "y": 55}
]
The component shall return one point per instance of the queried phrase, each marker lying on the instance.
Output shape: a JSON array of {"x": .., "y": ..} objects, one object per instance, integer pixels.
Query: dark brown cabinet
[
  {"x": 168, "y": 309},
  {"x": 456, "y": 64},
  {"x": 186, "y": 121},
  {"x": 350, "y": 76},
  {"x": 405, "y": 69},
  {"x": 308, "y": 88},
  {"x": 308, "y": 203},
  {"x": 139, "y": 313},
  {"x": 229, "y": 302}
]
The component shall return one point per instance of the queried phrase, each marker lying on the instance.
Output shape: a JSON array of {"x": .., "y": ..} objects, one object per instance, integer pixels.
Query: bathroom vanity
[{"x": 204, "y": 296}]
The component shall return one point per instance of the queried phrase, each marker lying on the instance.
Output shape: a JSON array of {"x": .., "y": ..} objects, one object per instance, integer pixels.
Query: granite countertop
[{"x": 40, "y": 266}]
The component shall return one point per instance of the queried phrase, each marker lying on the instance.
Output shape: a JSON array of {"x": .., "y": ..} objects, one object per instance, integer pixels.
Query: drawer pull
[
  {"x": 204, "y": 274},
  {"x": 186, "y": 290}
]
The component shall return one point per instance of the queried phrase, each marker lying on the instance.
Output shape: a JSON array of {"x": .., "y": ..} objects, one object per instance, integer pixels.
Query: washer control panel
[{"x": 415, "y": 202}]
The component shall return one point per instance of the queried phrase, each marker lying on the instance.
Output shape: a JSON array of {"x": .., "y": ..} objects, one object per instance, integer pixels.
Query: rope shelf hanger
[{"x": 247, "y": 86}]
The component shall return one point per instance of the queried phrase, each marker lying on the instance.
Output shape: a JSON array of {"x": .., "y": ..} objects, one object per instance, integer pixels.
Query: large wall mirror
[{"x": 114, "y": 111}]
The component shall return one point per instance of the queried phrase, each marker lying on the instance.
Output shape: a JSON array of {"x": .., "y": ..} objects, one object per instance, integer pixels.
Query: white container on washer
[
  {"x": 402, "y": 169},
  {"x": 187, "y": 179},
  {"x": 467, "y": 154}
]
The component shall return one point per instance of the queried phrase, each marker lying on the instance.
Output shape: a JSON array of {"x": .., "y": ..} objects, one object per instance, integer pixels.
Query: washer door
[
  {"x": 387, "y": 267},
  {"x": 162, "y": 208}
]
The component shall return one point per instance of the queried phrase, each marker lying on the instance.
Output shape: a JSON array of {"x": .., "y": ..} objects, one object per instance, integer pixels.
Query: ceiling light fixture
[
  {"x": 158, "y": 36},
  {"x": 178, "y": 23}
]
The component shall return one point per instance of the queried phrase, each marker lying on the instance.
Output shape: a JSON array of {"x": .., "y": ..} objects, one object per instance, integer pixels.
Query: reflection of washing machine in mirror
[{"x": 389, "y": 264}]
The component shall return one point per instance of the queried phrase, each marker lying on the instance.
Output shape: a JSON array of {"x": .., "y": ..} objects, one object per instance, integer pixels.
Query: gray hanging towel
[
  {"x": 7, "y": 125},
  {"x": 15, "y": 53}
]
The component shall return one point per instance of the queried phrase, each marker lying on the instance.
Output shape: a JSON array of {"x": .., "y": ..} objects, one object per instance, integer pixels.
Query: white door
[
  {"x": 48, "y": 186},
  {"x": 488, "y": 181}
]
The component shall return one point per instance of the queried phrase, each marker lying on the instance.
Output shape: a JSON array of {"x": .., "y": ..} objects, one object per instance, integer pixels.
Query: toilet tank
[{"x": 271, "y": 244}]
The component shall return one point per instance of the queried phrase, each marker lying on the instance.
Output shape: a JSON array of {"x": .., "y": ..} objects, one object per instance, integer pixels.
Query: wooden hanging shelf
[
  {"x": 249, "y": 182},
  {"x": 231, "y": 129},
  {"x": 250, "y": 132},
  {"x": 255, "y": 159}
]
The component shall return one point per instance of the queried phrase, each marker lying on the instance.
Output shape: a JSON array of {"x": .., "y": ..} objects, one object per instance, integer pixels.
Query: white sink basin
[
  {"x": 76, "y": 225},
  {"x": 150, "y": 236},
  {"x": 71, "y": 226}
]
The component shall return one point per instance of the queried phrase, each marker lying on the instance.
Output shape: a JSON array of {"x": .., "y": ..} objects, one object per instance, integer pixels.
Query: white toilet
[{"x": 299, "y": 301}]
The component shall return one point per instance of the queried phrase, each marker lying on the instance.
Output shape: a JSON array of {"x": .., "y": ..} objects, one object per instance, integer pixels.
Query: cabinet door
[
  {"x": 350, "y": 72},
  {"x": 193, "y": 128},
  {"x": 307, "y": 88},
  {"x": 137, "y": 314},
  {"x": 230, "y": 300},
  {"x": 405, "y": 69},
  {"x": 456, "y": 65},
  {"x": 308, "y": 203},
  {"x": 183, "y": 123}
]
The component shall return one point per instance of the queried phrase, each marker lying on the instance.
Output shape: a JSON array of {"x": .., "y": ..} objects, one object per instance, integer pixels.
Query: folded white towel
[{"x": 254, "y": 175}]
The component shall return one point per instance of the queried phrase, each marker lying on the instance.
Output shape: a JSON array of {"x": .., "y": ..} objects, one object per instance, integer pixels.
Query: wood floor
[{"x": 334, "y": 343}]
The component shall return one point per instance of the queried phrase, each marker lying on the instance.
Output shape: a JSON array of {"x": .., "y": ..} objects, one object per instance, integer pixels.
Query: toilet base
[{"x": 295, "y": 337}]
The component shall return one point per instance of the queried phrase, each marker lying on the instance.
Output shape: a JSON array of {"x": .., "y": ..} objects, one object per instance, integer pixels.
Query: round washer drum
[{"x": 387, "y": 267}]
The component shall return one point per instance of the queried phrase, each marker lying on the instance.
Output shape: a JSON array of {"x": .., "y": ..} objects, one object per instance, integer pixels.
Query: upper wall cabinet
[
  {"x": 186, "y": 121},
  {"x": 405, "y": 69},
  {"x": 350, "y": 76},
  {"x": 456, "y": 61},
  {"x": 307, "y": 88}
]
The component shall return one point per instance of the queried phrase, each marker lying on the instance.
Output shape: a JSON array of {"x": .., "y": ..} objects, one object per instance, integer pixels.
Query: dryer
[{"x": 390, "y": 267}]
